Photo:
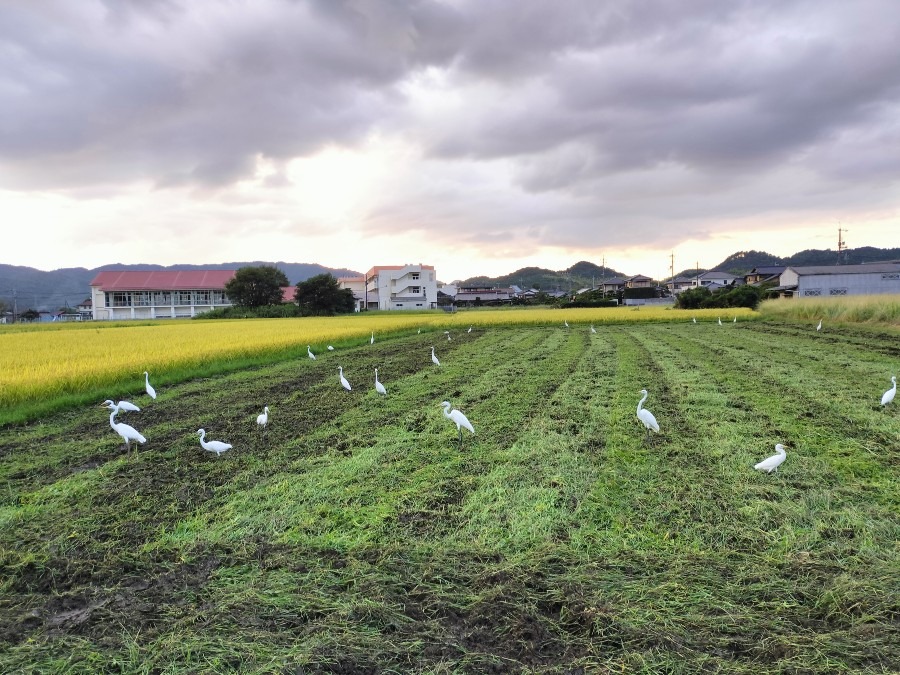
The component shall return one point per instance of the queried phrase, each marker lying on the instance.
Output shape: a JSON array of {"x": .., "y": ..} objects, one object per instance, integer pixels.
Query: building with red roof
[{"x": 158, "y": 294}]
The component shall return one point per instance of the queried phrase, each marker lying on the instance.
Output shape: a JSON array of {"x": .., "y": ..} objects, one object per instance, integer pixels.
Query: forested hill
[
  {"x": 580, "y": 275},
  {"x": 744, "y": 261},
  {"x": 41, "y": 290}
]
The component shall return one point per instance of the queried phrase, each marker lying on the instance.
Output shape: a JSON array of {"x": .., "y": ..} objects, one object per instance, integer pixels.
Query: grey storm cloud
[{"x": 612, "y": 108}]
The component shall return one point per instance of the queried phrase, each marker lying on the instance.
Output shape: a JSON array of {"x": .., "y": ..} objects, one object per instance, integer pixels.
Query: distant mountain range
[
  {"x": 37, "y": 289},
  {"x": 585, "y": 274},
  {"x": 579, "y": 275},
  {"x": 40, "y": 290},
  {"x": 743, "y": 261}
]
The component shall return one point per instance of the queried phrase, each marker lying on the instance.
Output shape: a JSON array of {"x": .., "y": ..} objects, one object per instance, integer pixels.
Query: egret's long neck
[
  {"x": 112, "y": 418},
  {"x": 641, "y": 403}
]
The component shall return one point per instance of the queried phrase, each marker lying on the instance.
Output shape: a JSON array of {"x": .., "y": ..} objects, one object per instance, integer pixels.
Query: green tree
[
  {"x": 257, "y": 286},
  {"x": 321, "y": 294},
  {"x": 743, "y": 296},
  {"x": 692, "y": 298},
  {"x": 30, "y": 315}
]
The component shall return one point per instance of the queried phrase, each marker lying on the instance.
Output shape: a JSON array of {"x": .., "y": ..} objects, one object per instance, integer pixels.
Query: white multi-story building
[{"x": 397, "y": 287}]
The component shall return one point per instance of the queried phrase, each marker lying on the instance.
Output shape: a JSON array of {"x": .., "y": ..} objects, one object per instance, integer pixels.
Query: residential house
[
  {"x": 839, "y": 280},
  {"x": 85, "y": 309},
  {"x": 478, "y": 295},
  {"x": 679, "y": 284},
  {"x": 358, "y": 286},
  {"x": 639, "y": 281},
  {"x": 614, "y": 285},
  {"x": 717, "y": 277},
  {"x": 761, "y": 275},
  {"x": 158, "y": 294}
]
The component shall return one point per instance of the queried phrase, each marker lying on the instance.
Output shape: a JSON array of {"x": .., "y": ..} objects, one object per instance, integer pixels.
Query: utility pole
[
  {"x": 672, "y": 272},
  {"x": 842, "y": 245}
]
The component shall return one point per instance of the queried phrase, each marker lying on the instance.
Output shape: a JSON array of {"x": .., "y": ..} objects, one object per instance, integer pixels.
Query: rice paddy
[
  {"x": 71, "y": 363},
  {"x": 355, "y": 536}
]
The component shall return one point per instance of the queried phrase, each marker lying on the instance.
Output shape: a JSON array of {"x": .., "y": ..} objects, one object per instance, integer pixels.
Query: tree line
[{"x": 258, "y": 292}]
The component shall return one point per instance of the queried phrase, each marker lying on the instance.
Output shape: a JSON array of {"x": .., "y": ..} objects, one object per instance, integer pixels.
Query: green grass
[
  {"x": 354, "y": 535},
  {"x": 878, "y": 310}
]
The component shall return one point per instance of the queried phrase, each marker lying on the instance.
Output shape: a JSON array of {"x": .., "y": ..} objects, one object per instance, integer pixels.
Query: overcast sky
[{"x": 479, "y": 136}]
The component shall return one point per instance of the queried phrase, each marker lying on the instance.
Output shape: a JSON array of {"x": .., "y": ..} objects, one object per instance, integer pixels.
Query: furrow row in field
[
  {"x": 824, "y": 407},
  {"x": 822, "y": 457},
  {"x": 792, "y": 532},
  {"x": 867, "y": 341},
  {"x": 407, "y": 464}
]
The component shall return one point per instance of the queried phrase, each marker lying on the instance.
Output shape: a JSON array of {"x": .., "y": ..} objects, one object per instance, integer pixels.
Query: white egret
[
  {"x": 434, "y": 359},
  {"x": 447, "y": 333},
  {"x": 263, "y": 420},
  {"x": 734, "y": 320},
  {"x": 694, "y": 319},
  {"x": 645, "y": 416},
  {"x": 458, "y": 419},
  {"x": 378, "y": 386},
  {"x": 330, "y": 348},
  {"x": 121, "y": 405},
  {"x": 309, "y": 353},
  {"x": 470, "y": 329},
  {"x": 151, "y": 392},
  {"x": 720, "y": 320},
  {"x": 566, "y": 322},
  {"x": 819, "y": 327},
  {"x": 593, "y": 330},
  {"x": 772, "y": 463},
  {"x": 127, "y": 433},
  {"x": 888, "y": 396},
  {"x": 344, "y": 383},
  {"x": 217, "y": 447},
  {"x": 372, "y": 339},
  {"x": 419, "y": 332}
]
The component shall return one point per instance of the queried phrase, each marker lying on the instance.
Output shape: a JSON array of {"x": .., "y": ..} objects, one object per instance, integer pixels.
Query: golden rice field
[{"x": 39, "y": 362}]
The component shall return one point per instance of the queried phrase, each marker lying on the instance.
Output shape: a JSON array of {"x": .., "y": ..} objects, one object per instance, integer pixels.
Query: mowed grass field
[{"x": 354, "y": 536}]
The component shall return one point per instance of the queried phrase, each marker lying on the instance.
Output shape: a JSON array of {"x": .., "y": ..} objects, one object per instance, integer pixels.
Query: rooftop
[{"x": 162, "y": 280}]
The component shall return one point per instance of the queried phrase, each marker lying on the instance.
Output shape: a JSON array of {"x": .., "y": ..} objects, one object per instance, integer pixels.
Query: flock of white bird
[{"x": 129, "y": 433}]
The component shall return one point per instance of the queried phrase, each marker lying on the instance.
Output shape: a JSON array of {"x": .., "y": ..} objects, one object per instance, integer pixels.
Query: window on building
[
  {"x": 812, "y": 291},
  {"x": 399, "y": 304},
  {"x": 182, "y": 297},
  {"x": 415, "y": 276},
  {"x": 219, "y": 298},
  {"x": 162, "y": 298},
  {"x": 415, "y": 289},
  {"x": 892, "y": 276},
  {"x": 201, "y": 297},
  {"x": 837, "y": 291},
  {"x": 142, "y": 298},
  {"x": 119, "y": 299},
  {"x": 418, "y": 304}
]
